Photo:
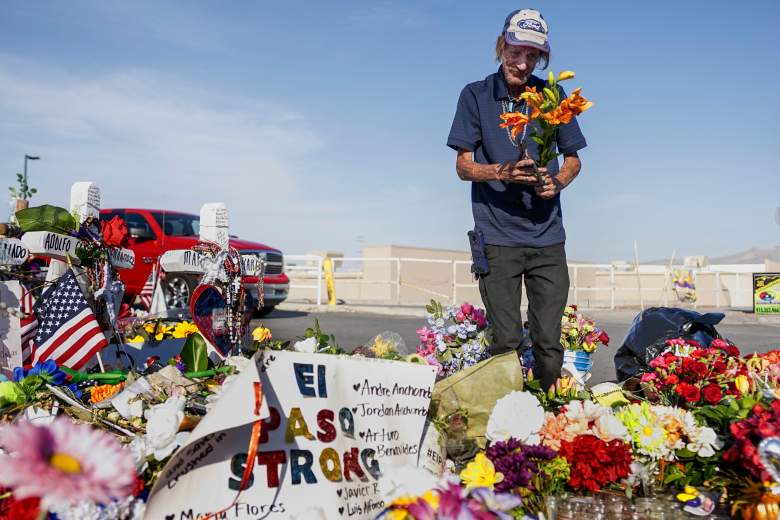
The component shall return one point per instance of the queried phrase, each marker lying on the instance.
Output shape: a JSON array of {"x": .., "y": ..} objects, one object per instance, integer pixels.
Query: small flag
[
  {"x": 28, "y": 325},
  {"x": 68, "y": 332},
  {"x": 147, "y": 291}
]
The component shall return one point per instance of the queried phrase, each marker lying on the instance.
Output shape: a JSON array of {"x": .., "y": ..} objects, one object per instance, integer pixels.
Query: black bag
[
  {"x": 646, "y": 339},
  {"x": 479, "y": 261}
]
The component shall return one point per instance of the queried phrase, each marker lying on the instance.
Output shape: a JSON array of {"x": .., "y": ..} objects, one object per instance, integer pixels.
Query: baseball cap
[{"x": 527, "y": 27}]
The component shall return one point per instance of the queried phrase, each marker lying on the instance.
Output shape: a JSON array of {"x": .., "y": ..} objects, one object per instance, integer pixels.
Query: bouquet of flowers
[
  {"x": 690, "y": 375},
  {"x": 550, "y": 111},
  {"x": 455, "y": 338},
  {"x": 596, "y": 463},
  {"x": 579, "y": 332}
]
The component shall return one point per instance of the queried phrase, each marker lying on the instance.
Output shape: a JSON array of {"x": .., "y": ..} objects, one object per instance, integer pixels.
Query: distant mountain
[{"x": 754, "y": 255}]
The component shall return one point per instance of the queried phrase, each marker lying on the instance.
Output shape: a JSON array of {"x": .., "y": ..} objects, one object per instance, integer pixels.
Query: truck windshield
[{"x": 178, "y": 224}]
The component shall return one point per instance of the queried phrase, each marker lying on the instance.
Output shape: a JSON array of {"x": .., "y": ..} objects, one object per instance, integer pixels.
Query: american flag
[
  {"x": 28, "y": 325},
  {"x": 147, "y": 291},
  {"x": 68, "y": 332}
]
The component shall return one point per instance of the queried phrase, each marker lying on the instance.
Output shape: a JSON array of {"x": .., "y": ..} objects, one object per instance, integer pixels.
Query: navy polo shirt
[{"x": 508, "y": 214}]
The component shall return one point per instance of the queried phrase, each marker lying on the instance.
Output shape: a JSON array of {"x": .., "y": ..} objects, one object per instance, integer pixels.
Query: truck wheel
[
  {"x": 264, "y": 311},
  {"x": 178, "y": 288}
]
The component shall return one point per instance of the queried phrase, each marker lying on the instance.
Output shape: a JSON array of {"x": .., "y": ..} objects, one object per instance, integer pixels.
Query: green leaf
[
  {"x": 537, "y": 139},
  {"x": 194, "y": 353},
  {"x": 46, "y": 218}
]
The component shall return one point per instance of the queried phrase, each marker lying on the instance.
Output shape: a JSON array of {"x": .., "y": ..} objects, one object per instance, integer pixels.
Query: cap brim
[{"x": 512, "y": 39}]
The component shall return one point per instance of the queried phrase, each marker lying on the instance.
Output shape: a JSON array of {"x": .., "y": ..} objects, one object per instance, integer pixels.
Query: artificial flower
[
  {"x": 64, "y": 462},
  {"x": 480, "y": 472}
]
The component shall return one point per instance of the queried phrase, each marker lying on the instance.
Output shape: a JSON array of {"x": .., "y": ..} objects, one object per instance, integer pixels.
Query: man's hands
[
  {"x": 521, "y": 172},
  {"x": 549, "y": 188}
]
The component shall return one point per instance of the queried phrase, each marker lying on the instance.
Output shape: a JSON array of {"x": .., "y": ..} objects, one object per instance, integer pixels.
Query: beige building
[{"x": 405, "y": 275}]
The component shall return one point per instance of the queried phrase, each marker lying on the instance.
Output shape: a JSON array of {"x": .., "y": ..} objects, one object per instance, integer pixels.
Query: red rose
[
  {"x": 712, "y": 393},
  {"x": 114, "y": 232},
  {"x": 604, "y": 337}
]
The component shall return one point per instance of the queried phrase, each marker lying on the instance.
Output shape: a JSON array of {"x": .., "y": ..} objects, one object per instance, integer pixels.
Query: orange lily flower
[
  {"x": 577, "y": 103},
  {"x": 517, "y": 120}
]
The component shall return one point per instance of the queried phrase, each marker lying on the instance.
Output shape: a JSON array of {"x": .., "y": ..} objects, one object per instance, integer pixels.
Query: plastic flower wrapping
[{"x": 456, "y": 337}]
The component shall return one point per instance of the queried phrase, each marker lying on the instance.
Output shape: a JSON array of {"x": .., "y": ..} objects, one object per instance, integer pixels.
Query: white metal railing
[
  {"x": 617, "y": 281},
  {"x": 307, "y": 268}
]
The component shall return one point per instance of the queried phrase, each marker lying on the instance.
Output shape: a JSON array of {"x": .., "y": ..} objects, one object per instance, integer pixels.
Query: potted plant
[{"x": 23, "y": 193}]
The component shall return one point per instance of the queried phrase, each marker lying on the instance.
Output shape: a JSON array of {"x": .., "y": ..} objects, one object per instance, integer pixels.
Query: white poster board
[
  {"x": 331, "y": 423},
  {"x": 10, "y": 332}
]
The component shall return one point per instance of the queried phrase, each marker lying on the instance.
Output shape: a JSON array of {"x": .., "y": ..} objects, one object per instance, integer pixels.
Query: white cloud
[{"x": 154, "y": 141}]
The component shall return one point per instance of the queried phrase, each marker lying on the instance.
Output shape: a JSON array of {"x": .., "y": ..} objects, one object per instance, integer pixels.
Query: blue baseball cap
[{"x": 526, "y": 27}]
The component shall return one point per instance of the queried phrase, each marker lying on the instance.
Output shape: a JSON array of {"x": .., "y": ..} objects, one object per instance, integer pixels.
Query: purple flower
[{"x": 518, "y": 463}]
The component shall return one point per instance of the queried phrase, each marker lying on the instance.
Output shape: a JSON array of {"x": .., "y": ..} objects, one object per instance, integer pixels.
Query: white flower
[
  {"x": 307, "y": 346},
  {"x": 517, "y": 414},
  {"x": 610, "y": 427},
  {"x": 703, "y": 441},
  {"x": 162, "y": 426},
  {"x": 138, "y": 448},
  {"x": 585, "y": 411}
]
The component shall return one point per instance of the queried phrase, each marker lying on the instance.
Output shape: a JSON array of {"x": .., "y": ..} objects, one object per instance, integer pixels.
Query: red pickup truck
[{"x": 157, "y": 231}]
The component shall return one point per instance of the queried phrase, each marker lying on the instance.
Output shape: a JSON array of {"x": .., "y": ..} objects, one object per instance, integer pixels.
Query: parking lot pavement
[{"x": 354, "y": 326}]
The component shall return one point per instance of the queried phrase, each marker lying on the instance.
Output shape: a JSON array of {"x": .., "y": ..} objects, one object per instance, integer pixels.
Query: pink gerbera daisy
[{"x": 64, "y": 462}]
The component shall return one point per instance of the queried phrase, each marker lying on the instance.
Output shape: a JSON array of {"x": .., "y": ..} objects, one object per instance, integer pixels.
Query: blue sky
[{"x": 322, "y": 124}]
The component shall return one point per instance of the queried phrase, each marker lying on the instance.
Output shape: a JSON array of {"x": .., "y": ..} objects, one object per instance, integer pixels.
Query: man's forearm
[
  {"x": 469, "y": 170},
  {"x": 569, "y": 169}
]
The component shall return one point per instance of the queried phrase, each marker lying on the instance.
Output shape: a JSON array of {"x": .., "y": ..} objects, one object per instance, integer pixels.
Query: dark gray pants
[{"x": 547, "y": 282}]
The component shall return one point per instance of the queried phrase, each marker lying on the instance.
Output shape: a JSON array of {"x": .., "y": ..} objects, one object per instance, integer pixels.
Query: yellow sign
[{"x": 766, "y": 293}]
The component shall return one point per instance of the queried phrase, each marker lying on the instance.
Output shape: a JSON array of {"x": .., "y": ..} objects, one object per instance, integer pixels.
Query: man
[{"x": 519, "y": 217}]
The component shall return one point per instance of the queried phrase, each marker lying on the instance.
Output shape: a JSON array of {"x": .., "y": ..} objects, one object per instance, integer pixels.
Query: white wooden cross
[
  {"x": 214, "y": 227},
  {"x": 84, "y": 203}
]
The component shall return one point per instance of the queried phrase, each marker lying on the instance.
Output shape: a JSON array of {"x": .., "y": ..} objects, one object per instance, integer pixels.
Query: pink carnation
[
  {"x": 466, "y": 308},
  {"x": 64, "y": 463},
  {"x": 648, "y": 376}
]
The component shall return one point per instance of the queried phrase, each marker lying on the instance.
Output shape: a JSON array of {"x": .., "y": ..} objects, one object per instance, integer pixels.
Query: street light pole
[{"x": 26, "y": 158}]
